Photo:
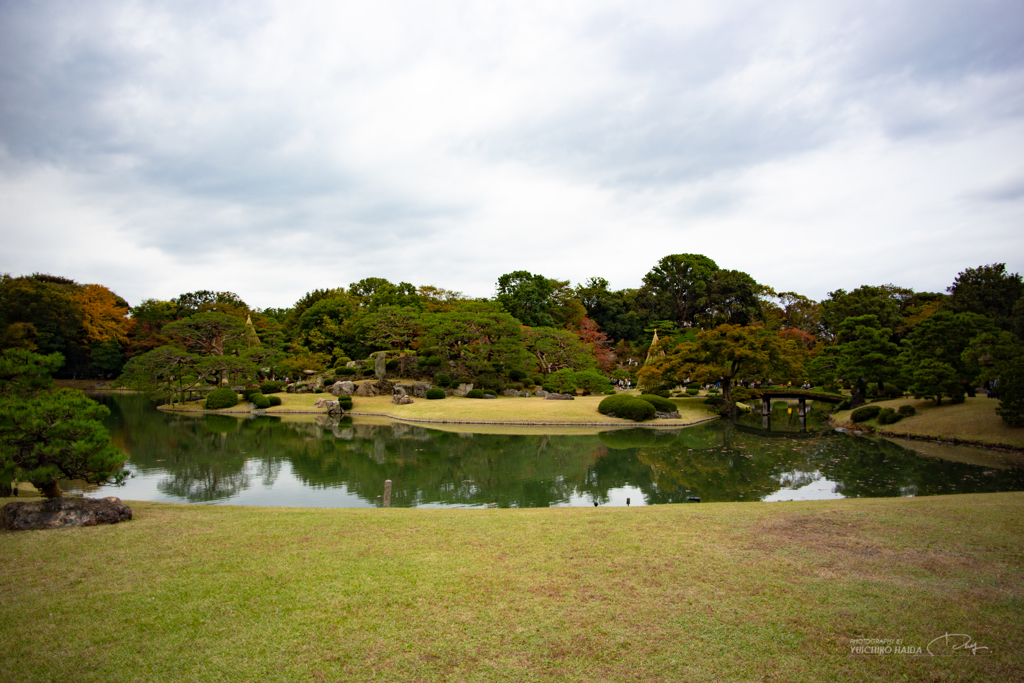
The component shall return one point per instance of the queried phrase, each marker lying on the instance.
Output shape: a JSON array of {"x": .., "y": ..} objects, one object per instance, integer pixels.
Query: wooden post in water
[{"x": 387, "y": 493}]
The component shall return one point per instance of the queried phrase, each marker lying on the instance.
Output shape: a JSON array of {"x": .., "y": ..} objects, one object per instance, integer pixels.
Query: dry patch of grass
[
  {"x": 973, "y": 420},
  {"x": 664, "y": 593},
  {"x": 501, "y": 410}
]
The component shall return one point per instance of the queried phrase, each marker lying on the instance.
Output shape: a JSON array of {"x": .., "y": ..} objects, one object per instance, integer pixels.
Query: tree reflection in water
[{"x": 215, "y": 458}]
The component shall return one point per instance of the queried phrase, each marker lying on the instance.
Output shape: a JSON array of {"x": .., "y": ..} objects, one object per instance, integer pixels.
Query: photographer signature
[{"x": 954, "y": 642}]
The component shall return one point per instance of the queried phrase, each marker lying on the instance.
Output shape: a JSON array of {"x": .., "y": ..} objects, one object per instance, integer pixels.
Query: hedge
[
  {"x": 907, "y": 410},
  {"x": 889, "y": 416},
  {"x": 345, "y": 402},
  {"x": 271, "y": 386},
  {"x": 660, "y": 404},
  {"x": 274, "y": 400},
  {"x": 218, "y": 399},
  {"x": 475, "y": 393},
  {"x": 435, "y": 393},
  {"x": 865, "y": 413},
  {"x": 260, "y": 401},
  {"x": 627, "y": 407}
]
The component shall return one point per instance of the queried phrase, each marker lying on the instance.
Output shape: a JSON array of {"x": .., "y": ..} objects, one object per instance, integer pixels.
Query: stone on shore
[
  {"x": 559, "y": 397},
  {"x": 343, "y": 388},
  {"x": 57, "y": 513}
]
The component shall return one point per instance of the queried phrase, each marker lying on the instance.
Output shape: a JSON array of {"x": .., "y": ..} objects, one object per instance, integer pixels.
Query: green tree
[
  {"x": 988, "y": 353},
  {"x": 23, "y": 373},
  {"x": 46, "y": 435},
  {"x": 374, "y": 293},
  {"x": 619, "y": 314},
  {"x": 935, "y": 379},
  {"x": 725, "y": 354},
  {"x": 393, "y": 328},
  {"x": 731, "y": 297},
  {"x": 555, "y": 349},
  {"x": 475, "y": 337},
  {"x": 883, "y": 302},
  {"x": 1011, "y": 393},
  {"x": 865, "y": 351},
  {"x": 989, "y": 291},
  {"x": 55, "y": 435},
  {"x": 527, "y": 297},
  {"x": 944, "y": 337},
  {"x": 679, "y": 284}
]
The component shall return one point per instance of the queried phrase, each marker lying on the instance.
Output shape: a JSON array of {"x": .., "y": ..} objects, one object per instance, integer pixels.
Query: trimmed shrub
[
  {"x": 692, "y": 391},
  {"x": 274, "y": 400},
  {"x": 907, "y": 411},
  {"x": 660, "y": 403},
  {"x": 318, "y": 390},
  {"x": 865, "y": 413},
  {"x": 516, "y": 375},
  {"x": 435, "y": 393},
  {"x": 442, "y": 379},
  {"x": 538, "y": 380},
  {"x": 345, "y": 402},
  {"x": 626, "y": 406},
  {"x": 391, "y": 364},
  {"x": 259, "y": 400},
  {"x": 249, "y": 391},
  {"x": 345, "y": 371},
  {"x": 219, "y": 399},
  {"x": 475, "y": 393},
  {"x": 888, "y": 416},
  {"x": 272, "y": 386},
  {"x": 563, "y": 381},
  {"x": 591, "y": 382},
  {"x": 693, "y": 385}
]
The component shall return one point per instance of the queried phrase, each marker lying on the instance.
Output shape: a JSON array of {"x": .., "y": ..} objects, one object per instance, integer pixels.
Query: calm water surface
[{"x": 320, "y": 462}]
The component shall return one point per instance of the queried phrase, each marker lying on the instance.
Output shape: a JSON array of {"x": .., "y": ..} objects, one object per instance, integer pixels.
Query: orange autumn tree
[{"x": 104, "y": 314}]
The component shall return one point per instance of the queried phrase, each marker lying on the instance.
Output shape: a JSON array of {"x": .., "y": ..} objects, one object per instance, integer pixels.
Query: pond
[{"x": 316, "y": 461}]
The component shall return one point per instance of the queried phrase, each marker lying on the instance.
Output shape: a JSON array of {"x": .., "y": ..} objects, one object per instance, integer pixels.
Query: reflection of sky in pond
[
  {"x": 322, "y": 462},
  {"x": 804, "y": 486}
]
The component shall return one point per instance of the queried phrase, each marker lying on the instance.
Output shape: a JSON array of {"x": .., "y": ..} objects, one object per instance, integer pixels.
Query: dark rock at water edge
[{"x": 56, "y": 513}]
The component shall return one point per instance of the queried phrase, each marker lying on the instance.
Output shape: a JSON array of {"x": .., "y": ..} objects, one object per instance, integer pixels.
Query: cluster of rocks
[
  {"x": 333, "y": 407},
  {"x": 56, "y": 513},
  {"x": 658, "y": 415}
]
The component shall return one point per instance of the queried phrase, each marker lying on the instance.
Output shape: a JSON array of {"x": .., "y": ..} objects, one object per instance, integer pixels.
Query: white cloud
[{"x": 279, "y": 147}]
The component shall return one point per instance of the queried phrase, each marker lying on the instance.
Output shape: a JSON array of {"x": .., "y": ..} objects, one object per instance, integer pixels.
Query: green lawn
[
  {"x": 701, "y": 592},
  {"x": 973, "y": 420}
]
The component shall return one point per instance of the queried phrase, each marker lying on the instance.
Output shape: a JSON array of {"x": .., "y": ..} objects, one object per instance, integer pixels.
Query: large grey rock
[
  {"x": 541, "y": 393},
  {"x": 512, "y": 393},
  {"x": 667, "y": 416},
  {"x": 420, "y": 389},
  {"x": 56, "y": 513},
  {"x": 380, "y": 365},
  {"x": 351, "y": 364},
  {"x": 559, "y": 397},
  {"x": 343, "y": 388},
  {"x": 299, "y": 388},
  {"x": 366, "y": 389},
  {"x": 401, "y": 399},
  {"x": 462, "y": 390},
  {"x": 333, "y": 407},
  {"x": 489, "y": 396}
]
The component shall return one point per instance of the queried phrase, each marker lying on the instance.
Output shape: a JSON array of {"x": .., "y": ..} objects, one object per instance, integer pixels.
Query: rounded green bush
[
  {"x": 627, "y": 407},
  {"x": 865, "y": 413},
  {"x": 692, "y": 391},
  {"x": 443, "y": 379},
  {"x": 274, "y": 400},
  {"x": 660, "y": 403},
  {"x": 889, "y": 416},
  {"x": 345, "y": 402},
  {"x": 260, "y": 401},
  {"x": 391, "y": 364},
  {"x": 345, "y": 371},
  {"x": 271, "y": 386},
  {"x": 435, "y": 393},
  {"x": 907, "y": 411},
  {"x": 222, "y": 398},
  {"x": 475, "y": 393}
]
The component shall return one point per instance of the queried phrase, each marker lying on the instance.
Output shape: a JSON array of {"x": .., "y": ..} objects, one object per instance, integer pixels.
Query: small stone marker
[{"x": 387, "y": 493}]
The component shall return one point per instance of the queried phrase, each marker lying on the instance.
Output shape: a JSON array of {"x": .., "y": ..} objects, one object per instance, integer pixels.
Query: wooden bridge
[{"x": 802, "y": 395}]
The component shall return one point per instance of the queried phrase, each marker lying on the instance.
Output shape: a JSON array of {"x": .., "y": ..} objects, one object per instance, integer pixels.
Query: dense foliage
[
  {"x": 715, "y": 326},
  {"x": 219, "y": 399}
]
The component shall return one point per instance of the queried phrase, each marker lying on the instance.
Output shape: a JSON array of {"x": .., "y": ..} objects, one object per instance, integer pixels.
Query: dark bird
[
  {"x": 627, "y": 502},
  {"x": 595, "y": 503},
  {"x": 695, "y": 499}
]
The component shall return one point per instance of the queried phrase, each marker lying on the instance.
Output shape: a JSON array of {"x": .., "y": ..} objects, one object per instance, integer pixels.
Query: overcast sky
[{"x": 270, "y": 148}]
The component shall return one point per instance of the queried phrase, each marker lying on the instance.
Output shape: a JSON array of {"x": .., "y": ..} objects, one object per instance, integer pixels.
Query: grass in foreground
[
  {"x": 973, "y": 420},
  {"x": 693, "y": 592}
]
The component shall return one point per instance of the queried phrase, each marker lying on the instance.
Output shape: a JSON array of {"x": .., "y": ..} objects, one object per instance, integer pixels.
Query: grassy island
[{"x": 710, "y": 592}]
